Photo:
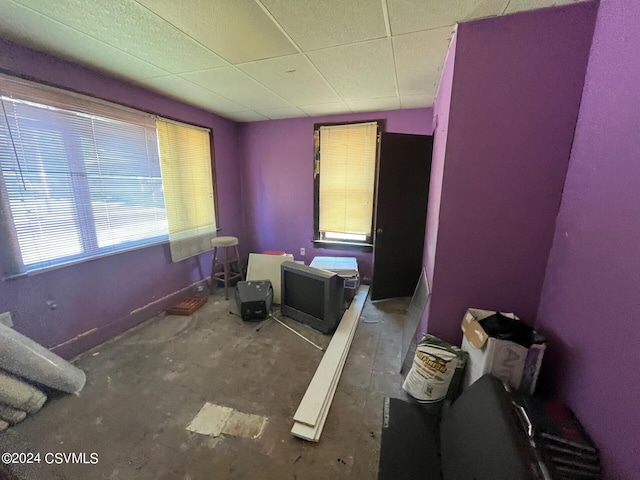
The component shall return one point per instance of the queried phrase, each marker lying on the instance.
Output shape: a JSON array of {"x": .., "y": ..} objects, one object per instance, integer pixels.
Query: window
[
  {"x": 345, "y": 180},
  {"x": 79, "y": 178},
  {"x": 185, "y": 156}
]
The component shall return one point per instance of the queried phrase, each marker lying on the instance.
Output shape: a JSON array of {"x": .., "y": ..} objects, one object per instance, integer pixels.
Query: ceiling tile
[
  {"x": 485, "y": 8},
  {"x": 407, "y": 16},
  {"x": 325, "y": 109},
  {"x": 237, "y": 86},
  {"x": 358, "y": 71},
  {"x": 130, "y": 27},
  {"x": 275, "y": 113},
  {"x": 37, "y": 31},
  {"x": 249, "y": 116},
  {"x": 417, "y": 101},
  {"x": 314, "y": 25},
  {"x": 388, "y": 103},
  {"x": 239, "y": 30},
  {"x": 349, "y": 64},
  {"x": 293, "y": 78},
  {"x": 181, "y": 89},
  {"x": 522, "y": 5},
  {"x": 419, "y": 58}
]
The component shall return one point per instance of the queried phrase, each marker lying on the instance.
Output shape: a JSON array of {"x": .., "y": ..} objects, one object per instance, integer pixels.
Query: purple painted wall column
[
  {"x": 104, "y": 297},
  {"x": 514, "y": 103},
  {"x": 441, "y": 129},
  {"x": 589, "y": 304},
  {"x": 278, "y": 180}
]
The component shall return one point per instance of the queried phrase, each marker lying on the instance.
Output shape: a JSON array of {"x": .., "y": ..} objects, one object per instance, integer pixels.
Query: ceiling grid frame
[
  {"x": 385, "y": 12},
  {"x": 228, "y": 64},
  {"x": 55, "y": 21},
  {"x": 273, "y": 19},
  {"x": 179, "y": 55}
]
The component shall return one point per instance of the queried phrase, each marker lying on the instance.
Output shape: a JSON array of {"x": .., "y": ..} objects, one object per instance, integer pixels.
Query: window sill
[
  {"x": 77, "y": 261},
  {"x": 337, "y": 245}
]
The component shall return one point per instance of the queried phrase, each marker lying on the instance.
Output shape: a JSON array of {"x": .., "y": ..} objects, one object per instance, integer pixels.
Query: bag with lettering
[{"x": 437, "y": 371}]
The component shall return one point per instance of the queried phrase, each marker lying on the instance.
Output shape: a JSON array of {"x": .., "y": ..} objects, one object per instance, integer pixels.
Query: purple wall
[
  {"x": 589, "y": 303},
  {"x": 441, "y": 129},
  {"x": 514, "y": 103},
  {"x": 114, "y": 293},
  {"x": 278, "y": 180}
]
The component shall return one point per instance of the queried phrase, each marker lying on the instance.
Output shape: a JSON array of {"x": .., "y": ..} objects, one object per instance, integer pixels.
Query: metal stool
[{"x": 225, "y": 275}]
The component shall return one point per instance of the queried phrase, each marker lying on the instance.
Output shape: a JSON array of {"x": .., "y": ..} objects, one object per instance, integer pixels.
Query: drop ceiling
[{"x": 251, "y": 60}]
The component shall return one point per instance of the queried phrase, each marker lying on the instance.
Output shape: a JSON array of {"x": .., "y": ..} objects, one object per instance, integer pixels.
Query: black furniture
[{"x": 480, "y": 436}]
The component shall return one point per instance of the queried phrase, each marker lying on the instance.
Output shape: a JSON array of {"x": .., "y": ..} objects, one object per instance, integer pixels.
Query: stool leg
[
  {"x": 238, "y": 261},
  {"x": 212, "y": 287},
  {"x": 226, "y": 273}
]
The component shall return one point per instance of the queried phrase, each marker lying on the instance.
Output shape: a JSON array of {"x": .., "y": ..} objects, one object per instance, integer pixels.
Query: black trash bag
[{"x": 506, "y": 328}]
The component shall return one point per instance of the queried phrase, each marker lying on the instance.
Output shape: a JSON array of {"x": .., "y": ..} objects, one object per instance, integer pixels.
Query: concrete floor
[{"x": 145, "y": 386}]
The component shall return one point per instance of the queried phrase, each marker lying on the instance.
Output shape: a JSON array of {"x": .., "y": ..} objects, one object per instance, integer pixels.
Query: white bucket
[{"x": 431, "y": 373}]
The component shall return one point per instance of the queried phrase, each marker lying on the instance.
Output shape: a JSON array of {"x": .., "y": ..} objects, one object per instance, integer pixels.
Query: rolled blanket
[
  {"x": 11, "y": 415},
  {"x": 19, "y": 394},
  {"x": 22, "y": 356}
]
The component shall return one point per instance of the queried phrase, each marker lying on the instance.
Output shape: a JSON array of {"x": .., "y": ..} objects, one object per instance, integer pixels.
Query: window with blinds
[
  {"x": 345, "y": 175},
  {"x": 185, "y": 157},
  {"x": 79, "y": 178}
]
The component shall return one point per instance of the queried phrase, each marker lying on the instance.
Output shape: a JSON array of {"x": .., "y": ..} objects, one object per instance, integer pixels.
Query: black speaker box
[{"x": 254, "y": 299}]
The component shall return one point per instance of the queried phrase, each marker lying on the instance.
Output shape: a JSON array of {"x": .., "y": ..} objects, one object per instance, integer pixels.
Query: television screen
[
  {"x": 312, "y": 296},
  {"x": 305, "y": 293}
]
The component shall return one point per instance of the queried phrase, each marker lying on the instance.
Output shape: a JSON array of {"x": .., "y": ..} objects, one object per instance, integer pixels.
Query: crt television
[{"x": 312, "y": 296}]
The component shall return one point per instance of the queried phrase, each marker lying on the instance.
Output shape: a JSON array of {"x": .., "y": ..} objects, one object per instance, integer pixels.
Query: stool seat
[
  {"x": 224, "y": 241},
  {"x": 226, "y": 274}
]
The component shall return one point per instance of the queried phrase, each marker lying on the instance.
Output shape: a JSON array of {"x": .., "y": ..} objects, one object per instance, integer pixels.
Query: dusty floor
[{"x": 144, "y": 387}]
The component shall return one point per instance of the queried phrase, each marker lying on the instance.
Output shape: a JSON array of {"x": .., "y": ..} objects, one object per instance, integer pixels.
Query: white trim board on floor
[
  {"x": 312, "y": 433},
  {"x": 314, "y": 397},
  {"x": 312, "y": 413}
]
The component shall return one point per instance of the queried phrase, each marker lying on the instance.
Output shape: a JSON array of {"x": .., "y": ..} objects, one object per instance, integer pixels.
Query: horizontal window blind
[
  {"x": 80, "y": 177},
  {"x": 347, "y": 180},
  {"x": 185, "y": 156}
]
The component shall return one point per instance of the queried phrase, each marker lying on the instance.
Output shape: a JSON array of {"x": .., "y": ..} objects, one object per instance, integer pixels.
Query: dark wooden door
[{"x": 401, "y": 213}]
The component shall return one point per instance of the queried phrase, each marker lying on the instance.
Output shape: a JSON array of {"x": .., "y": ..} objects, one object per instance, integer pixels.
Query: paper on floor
[{"x": 215, "y": 420}]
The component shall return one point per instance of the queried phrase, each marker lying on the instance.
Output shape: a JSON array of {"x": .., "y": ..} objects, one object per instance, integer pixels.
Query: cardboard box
[{"x": 510, "y": 362}]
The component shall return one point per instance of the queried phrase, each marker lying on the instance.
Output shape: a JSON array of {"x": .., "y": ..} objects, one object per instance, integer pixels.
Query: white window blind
[
  {"x": 347, "y": 181},
  {"x": 80, "y": 178},
  {"x": 185, "y": 156}
]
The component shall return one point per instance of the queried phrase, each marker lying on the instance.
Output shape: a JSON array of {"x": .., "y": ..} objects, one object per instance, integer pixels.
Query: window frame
[{"x": 337, "y": 244}]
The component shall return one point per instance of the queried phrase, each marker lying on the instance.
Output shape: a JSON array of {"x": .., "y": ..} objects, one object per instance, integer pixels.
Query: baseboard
[{"x": 96, "y": 336}]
